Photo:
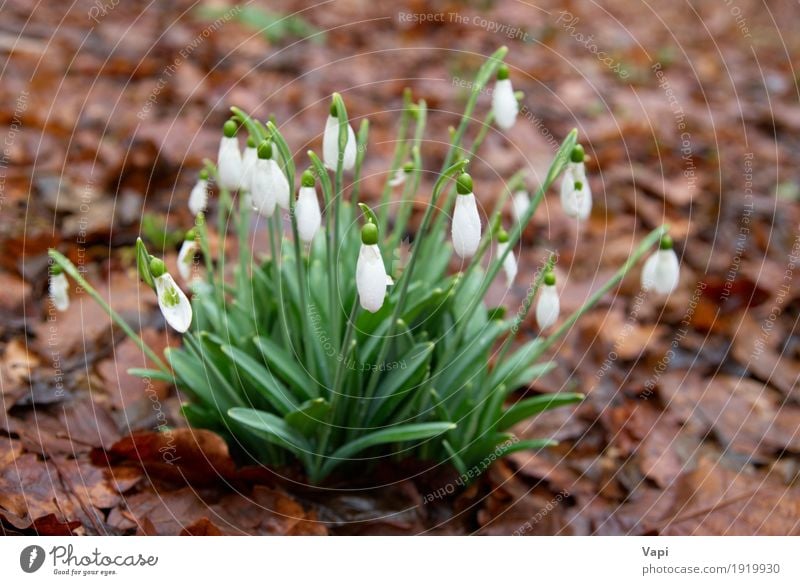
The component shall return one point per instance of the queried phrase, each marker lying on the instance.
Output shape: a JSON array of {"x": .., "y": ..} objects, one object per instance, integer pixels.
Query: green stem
[{"x": 70, "y": 269}]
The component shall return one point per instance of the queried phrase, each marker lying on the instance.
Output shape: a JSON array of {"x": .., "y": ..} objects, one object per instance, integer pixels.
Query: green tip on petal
[
  {"x": 464, "y": 184},
  {"x": 157, "y": 267},
  {"x": 203, "y": 175},
  {"x": 308, "y": 178},
  {"x": 578, "y": 154},
  {"x": 578, "y": 185},
  {"x": 502, "y": 236},
  {"x": 666, "y": 242},
  {"x": 369, "y": 234},
  {"x": 229, "y": 128},
  {"x": 265, "y": 150},
  {"x": 549, "y": 278},
  {"x": 502, "y": 72},
  {"x": 251, "y": 142}
]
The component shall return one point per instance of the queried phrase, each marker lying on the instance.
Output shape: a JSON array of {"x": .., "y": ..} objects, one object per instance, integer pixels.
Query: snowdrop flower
[
  {"x": 520, "y": 203},
  {"x": 661, "y": 270},
  {"x": 330, "y": 143},
  {"x": 576, "y": 196},
  {"x": 186, "y": 255},
  {"x": 371, "y": 277},
  {"x": 249, "y": 159},
  {"x": 59, "y": 288},
  {"x": 504, "y": 102},
  {"x": 172, "y": 301},
  {"x": 270, "y": 186},
  {"x": 510, "y": 262},
  {"x": 229, "y": 159},
  {"x": 466, "y": 228},
  {"x": 198, "y": 198},
  {"x": 309, "y": 217},
  {"x": 548, "y": 306}
]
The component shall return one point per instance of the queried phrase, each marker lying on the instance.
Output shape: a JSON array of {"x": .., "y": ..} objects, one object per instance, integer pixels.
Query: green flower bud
[
  {"x": 408, "y": 167},
  {"x": 55, "y": 269},
  {"x": 230, "y": 128},
  {"x": 502, "y": 72},
  {"x": 666, "y": 242},
  {"x": 265, "y": 149},
  {"x": 549, "y": 278},
  {"x": 308, "y": 179},
  {"x": 502, "y": 236},
  {"x": 203, "y": 175},
  {"x": 464, "y": 184},
  {"x": 157, "y": 267},
  {"x": 578, "y": 154},
  {"x": 251, "y": 142},
  {"x": 369, "y": 234},
  {"x": 190, "y": 236}
]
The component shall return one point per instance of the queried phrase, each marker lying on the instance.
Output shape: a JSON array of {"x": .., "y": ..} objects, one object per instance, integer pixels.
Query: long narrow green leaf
[{"x": 529, "y": 407}]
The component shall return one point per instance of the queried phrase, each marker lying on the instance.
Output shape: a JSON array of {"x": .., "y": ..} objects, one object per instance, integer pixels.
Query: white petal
[
  {"x": 179, "y": 314},
  {"x": 59, "y": 291},
  {"x": 510, "y": 262},
  {"x": 309, "y": 217},
  {"x": 186, "y": 259},
  {"x": 504, "y": 104},
  {"x": 263, "y": 194},
  {"x": 330, "y": 145},
  {"x": 280, "y": 184},
  {"x": 371, "y": 278},
  {"x": 198, "y": 198},
  {"x": 547, "y": 307},
  {"x": 249, "y": 160},
  {"x": 576, "y": 203},
  {"x": 520, "y": 203},
  {"x": 661, "y": 272},
  {"x": 398, "y": 178},
  {"x": 466, "y": 228},
  {"x": 229, "y": 164}
]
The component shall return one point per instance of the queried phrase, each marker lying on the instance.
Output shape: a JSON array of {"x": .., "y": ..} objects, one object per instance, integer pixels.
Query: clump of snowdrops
[{"x": 331, "y": 349}]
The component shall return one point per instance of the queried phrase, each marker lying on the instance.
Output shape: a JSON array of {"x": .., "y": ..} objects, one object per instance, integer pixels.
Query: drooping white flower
[
  {"x": 59, "y": 290},
  {"x": 504, "y": 102},
  {"x": 661, "y": 271},
  {"x": 576, "y": 195},
  {"x": 198, "y": 198},
  {"x": 520, "y": 203},
  {"x": 371, "y": 277},
  {"x": 466, "y": 228},
  {"x": 186, "y": 256},
  {"x": 309, "y": 216},
  {"x": 249, "y": 159},
  {"x": 330, "y": 143},
  {"x": 510, "y": 261},
  {"x": 398, "y": 178},
  {"x": 270, "y": 186},
  {"x": 229, "y": 159},
  {"x": 548, "y": 306},
  {"x": 172, "y": 301}
]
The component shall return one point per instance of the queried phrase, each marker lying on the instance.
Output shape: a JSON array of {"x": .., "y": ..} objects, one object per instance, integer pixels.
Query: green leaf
[
  {"x": 397, "y": 434},
  {"x": 309, "y": 416},
  {"x": 287, "y": 367},
  {"x": 262, "y": 380},
  {"x": 152, "y": 374},
  {"x": 191, "y": 374},
  {"x": 526, "y": 445},
  {"x": 531, "y": 406},
  {"x": 273, "y": 429},
  {"x": 368, "y": 213},
  {"x": 401, "y": 382},
  {"x": 510, "y": 368}
]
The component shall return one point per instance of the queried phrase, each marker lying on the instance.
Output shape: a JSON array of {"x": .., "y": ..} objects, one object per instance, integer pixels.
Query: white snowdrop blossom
[
  {"x": 309, "y": 216},
  {"x": 398, "y": 178},
  {"x": 229, "y": 159},
  {"x": 661, "y": 271},
  {"x": 371, "y": 277},
  {"x": 520, "y": 203},
  {"x": 510, "y": 261},
  {"x": 270, "y": 186},
  {"x": 198, "y": 197},
  {"x": 330, "y": 145},
  {"x": 576, "y": 196},
  {"x": 504, "y": 102},
  {"x": 548, "y": 305},
  {"x": 186, "y": 257},
  {"x": 466, "y": 227},
  {"x": 172, "y": 301},
  {"x": 59, "y": 291}
]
